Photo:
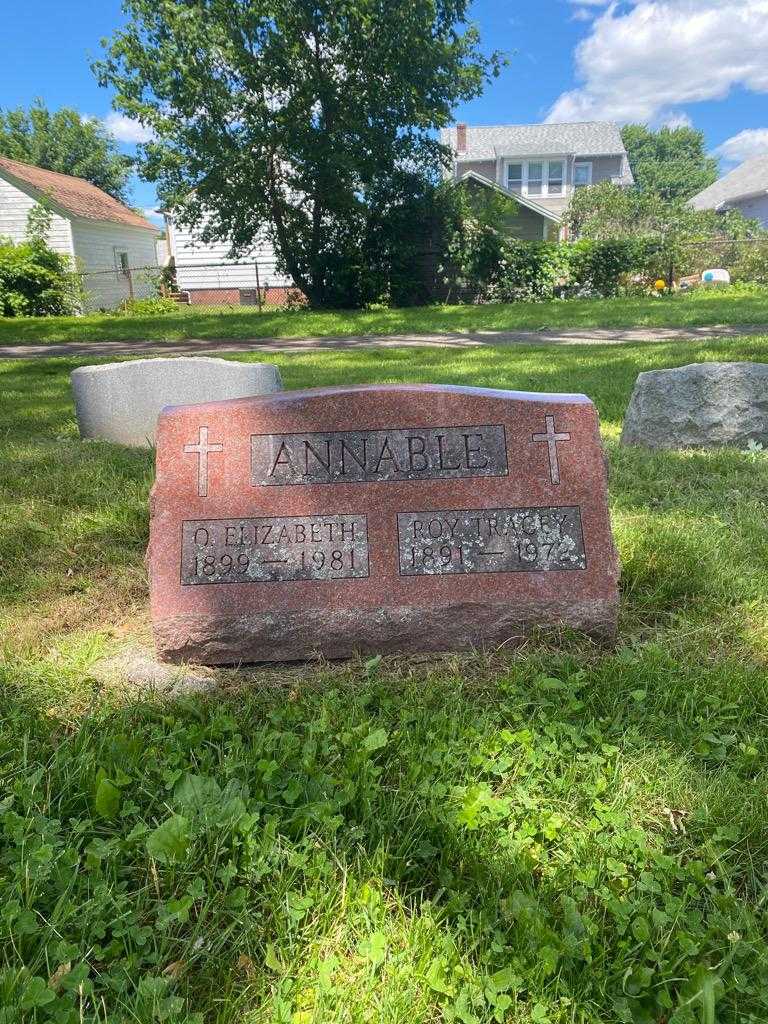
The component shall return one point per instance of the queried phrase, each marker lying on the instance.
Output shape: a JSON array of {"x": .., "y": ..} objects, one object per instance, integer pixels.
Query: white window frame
[
  {"x": 525, "y": 162},
  {"x": 588, "y": 165},
  {"x": 119, "y": 253}
]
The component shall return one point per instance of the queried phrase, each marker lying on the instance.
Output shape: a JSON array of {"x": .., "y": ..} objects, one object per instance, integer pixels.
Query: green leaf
[
  {"x": 194, "y": 792},
  {"x": 169, "y": 842},
  {"x": 36, "y": 993},
  {"x": 376, "y": 740},
  {"x": 107, "y": 799},
  {"x": 504, "y": 980},
  {"x": 75, "y": 978},
  {"x": 550, "y": 683},
  {"x": 372, "y": 665},
  {"x": 374, "y": 948},
  {"x": 436, "y": 978},
  {"x": 271, "y": 959},
  {"x": 641, "y": 929},
  {"x": 463, "y": 1010}
]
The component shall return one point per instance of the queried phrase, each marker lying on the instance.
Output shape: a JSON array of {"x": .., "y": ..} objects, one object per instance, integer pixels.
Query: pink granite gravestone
[{"x": 377, "y": 519}]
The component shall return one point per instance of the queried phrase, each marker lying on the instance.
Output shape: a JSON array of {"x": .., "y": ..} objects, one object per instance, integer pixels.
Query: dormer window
[{"x": 536, "y": 177}]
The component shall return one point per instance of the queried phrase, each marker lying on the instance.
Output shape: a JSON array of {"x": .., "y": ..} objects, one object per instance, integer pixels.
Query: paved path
[{"x": 267, "y": 346}]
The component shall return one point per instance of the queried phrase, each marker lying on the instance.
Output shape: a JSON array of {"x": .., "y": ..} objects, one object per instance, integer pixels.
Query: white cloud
[
  {"x": 151, "y": 213},
  {"x": 638, "y": 61},
  {"x": 125, "y": 129},
  {"x": 749, "y": 143},
  {"x": 674, "y": 119}
]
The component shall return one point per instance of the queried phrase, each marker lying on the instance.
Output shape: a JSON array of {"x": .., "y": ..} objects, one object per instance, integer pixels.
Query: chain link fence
[
  {"x": 257, "y": 286},
  {"x": 202, "y": 285}
]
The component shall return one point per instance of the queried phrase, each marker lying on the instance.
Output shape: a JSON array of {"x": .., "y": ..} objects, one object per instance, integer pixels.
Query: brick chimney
[{"x": 461, "y": 139}]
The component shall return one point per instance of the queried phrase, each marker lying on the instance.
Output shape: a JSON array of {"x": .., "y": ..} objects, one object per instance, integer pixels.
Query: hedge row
[{"x": 489, "y": 267}]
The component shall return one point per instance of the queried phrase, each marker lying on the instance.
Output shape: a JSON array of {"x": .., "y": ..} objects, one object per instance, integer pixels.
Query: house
[
  {"x": 112, "y": 246},
  {"x": 745, "y": 188},
  {"x": 539, "y": 165},
  {"x": 206, "y": 275}
]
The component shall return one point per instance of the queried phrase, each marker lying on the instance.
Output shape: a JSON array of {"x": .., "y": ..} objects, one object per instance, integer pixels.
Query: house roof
[
  {"x": 523, "y": 200},
  {"x": 588, "y": 138},
  {"x": 749, "y": 178},
  {"x": 73, "y": 195}
]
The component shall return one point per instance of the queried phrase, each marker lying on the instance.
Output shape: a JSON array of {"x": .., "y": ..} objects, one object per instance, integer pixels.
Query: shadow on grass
[{"x": 516, "y": 805}]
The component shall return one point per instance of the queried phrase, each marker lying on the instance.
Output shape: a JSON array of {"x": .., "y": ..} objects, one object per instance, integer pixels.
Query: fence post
[
  {"x": 130, "y": 282},
  {"x": 258, "y": 285}
]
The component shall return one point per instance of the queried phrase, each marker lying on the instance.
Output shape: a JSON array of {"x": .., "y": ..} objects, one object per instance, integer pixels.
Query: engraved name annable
[
  {"x": 490, "y": 540},
  {"x": 274, "y": 549},
  {"x": 359, "y": 456}
]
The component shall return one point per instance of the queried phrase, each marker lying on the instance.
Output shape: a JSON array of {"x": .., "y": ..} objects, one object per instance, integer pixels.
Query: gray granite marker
[
  {"x": 121, "y": 401},
  {"x": 702, "y": 405}
]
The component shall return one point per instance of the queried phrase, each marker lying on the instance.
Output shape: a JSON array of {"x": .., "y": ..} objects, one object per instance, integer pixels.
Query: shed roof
[{"x": 74, "y": 195}]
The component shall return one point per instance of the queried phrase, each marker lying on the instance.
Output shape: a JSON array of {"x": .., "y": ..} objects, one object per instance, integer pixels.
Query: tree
[
  {"x": 670, "y": 162},
  {"x": 299, "y": 119},
  {"x": 666, "y": 233},
  {"x": 64, "y": 141},
  {"x": 607, "y": 211}
]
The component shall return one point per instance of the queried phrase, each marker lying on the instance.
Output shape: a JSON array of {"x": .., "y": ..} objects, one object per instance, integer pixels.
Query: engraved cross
[
  {"x": 551, "y": 438},
  {"x": 202, "y": 449}
]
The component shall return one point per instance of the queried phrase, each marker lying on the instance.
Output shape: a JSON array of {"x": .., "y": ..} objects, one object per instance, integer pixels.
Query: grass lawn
[
  {"x": 693, "y": 309},
  {"x": 550, "y": 836}
]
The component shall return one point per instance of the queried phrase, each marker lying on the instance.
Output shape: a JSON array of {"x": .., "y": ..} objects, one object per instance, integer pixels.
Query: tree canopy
[
  {"x": 614, "y": 211},
  {"x": 66, "y": 142},
  {"x": 670, "y": 162},
  {"x": 310, "y": 121}
]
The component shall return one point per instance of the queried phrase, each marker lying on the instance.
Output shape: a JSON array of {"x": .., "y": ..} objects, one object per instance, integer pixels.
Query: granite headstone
[
  {"x": 377, "y": 519},
  {"x": 121, "y": 401}
]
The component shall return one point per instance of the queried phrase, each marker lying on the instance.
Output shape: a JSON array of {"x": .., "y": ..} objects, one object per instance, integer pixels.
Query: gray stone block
[
  {"x": 702, "y": 405},
  {"x": 121, "y": 401}
]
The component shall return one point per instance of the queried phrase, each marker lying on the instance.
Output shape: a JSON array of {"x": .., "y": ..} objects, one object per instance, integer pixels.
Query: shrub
[
  {"x": 484, "y": 264},
  {"x": 528, "y": 271},
  {"x": 752, "y": 264},
  {"x": 603, "y": 267},
  {"x": 35, "y": 281},
  {"x": 158, "y": 305}
]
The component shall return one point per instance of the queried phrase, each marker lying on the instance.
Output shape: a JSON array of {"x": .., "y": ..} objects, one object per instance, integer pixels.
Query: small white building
[
  {"x": 206, "y": 275},
  {"x": 112, "y": 246}
]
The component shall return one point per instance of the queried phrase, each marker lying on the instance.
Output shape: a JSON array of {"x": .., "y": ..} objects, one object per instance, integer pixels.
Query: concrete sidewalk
[{"x": 269, "y": 346}]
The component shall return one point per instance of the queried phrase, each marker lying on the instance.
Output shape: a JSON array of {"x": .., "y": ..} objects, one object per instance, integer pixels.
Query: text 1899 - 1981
[
  {"x": 273, "y": 549},
  {"x": 490, "y": 540}
]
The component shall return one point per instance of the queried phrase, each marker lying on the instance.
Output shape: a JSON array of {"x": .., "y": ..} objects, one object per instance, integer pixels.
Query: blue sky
[{"x": 658, "y": 61}]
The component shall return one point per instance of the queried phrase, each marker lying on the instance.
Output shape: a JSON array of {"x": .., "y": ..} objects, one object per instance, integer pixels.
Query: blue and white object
[{"x": 717, "y": 276}]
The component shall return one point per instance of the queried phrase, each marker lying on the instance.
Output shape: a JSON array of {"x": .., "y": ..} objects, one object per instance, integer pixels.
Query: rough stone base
[
  {"x": 702, "y": 405},
  {"x": 226, "y": 640}
]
